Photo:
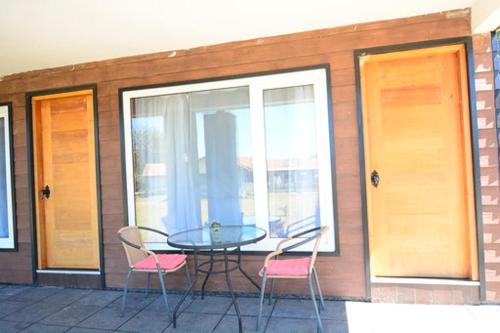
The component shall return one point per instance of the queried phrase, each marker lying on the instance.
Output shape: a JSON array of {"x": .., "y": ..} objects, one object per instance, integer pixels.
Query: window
[
  {"x": 6, "y": 191},
  {"x": 253, "y": 150}
]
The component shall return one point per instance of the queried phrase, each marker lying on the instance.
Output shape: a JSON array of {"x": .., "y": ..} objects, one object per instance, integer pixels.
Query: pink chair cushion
[
  {"x": 167, "y": 261},
  {"x": 288, "y": 267}
]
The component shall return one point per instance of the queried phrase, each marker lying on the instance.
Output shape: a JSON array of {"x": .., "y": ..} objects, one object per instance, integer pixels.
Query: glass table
[{"x": 216, "y": 243}]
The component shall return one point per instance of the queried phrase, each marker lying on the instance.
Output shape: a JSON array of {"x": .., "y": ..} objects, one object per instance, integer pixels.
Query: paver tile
[
  {"x": 108, "y": 318},
  {"x": 34, "y": 312},
  {"x": 99, "y": 298},
  {"x": 71, "y": 315},
  {"x": 229, "y": 324},
  {"x": 249, "y": 306},
  {"x": 12, "y": 326},
  {"x": 294, "y": 308},
  {"x": 11, "y": 290},
  {"x": 173, "y": 300},
  {"x": 134, "y": 300},
  {"x": 147, "y": 321},
  {"x": 87, "y": 330},
  {"x": 43, "y": 328},
  {"x": 195, "y": 322},
  {"x": 210, "y": 305},
  {"x": 289, "y": 325},
  {"x": 35, "y": 294},
  {"x": 68, "y": 296},
  {"x": 8, "y": 307}
]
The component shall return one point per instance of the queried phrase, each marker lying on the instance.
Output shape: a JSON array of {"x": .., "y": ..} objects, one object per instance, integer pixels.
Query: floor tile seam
[
  {"x": 70, "y": 304},
  {"x": 68, "y": 327},
  {"x": 271, "y": 314},
  {"x": 138, "y": 312},
  {"x": 45, "y": 297},
  {"x": 44, "y": 317},
  {"x": 79, "y": 325},
  {"x": 224, "y": 315},
  {"x": 22, "y": 308}
]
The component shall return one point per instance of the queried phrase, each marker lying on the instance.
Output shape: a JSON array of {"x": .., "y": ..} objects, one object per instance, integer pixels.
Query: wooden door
[
  {"x": 417, "y": 138},
  {"x": 63, "y": 132}
]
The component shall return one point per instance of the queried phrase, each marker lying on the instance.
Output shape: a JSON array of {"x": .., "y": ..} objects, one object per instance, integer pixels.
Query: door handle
[
  {"x": 375, "y": 178},
  {"x": 45, "y": 192}
]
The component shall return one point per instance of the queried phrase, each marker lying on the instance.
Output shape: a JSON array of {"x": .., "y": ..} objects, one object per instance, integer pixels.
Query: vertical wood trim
[
  {"x": 39, "y": 209},
  {"x": 45, "y": 173},
  {"x": 92, "y": 171},
  {"x": 469, "y": 168}
]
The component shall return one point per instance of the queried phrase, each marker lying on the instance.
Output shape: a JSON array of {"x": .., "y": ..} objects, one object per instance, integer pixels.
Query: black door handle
[
  {"x": 45, "y": 192},
  {"x": 375, "y": 178}
]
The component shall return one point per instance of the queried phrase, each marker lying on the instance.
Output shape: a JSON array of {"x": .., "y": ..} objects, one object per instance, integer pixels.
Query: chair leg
[
  {"x": 124, "y": 299},
  {"x": 148, "y": 283},
  {"x": 313, "y": 298},
  {"x": 188, "y": 278},
  {"x": 163, "y": 290},
  {"x": 318, "y": 287},
  {"x": 271, "y": 292},
  {"x": 261, "y": 299}
]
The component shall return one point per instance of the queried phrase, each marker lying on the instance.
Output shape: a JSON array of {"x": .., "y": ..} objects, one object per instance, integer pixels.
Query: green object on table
[{"x": 215, "y": 231}]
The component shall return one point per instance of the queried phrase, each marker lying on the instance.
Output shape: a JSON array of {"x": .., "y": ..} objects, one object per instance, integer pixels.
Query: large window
[
  {"x": 254, "y": 150},
  {"x": 7, "y": 238}
]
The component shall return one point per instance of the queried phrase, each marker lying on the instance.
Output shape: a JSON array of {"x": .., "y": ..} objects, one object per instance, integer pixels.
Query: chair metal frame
[
  {"x": 312, "y": 274},
  {"x": 132, "y": 260}
]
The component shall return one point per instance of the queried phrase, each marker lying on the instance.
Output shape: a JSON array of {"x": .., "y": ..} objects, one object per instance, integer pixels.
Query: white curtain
[
  {"x": 167, "y": 160},
  {"x": 182, "y": 166},
  {"x": 4, "y": 223}
]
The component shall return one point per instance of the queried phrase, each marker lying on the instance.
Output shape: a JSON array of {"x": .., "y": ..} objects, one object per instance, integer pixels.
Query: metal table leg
[
  {"x": 208, "y": 274},
  {"x": 189, "y": 290},
  {"x": 245, "y": 273},
  {"x": 233, "y": 296}
]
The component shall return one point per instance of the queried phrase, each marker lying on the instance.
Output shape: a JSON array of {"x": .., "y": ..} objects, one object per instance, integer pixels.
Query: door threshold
[
  {"x": 446, "y": 282},
  {"x": 67, "y": 272}
]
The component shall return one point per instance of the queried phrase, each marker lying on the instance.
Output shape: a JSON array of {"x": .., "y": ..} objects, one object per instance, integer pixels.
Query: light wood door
[
  {"x": 65, "y": 162},
  {"x": 417, "y": 137}
]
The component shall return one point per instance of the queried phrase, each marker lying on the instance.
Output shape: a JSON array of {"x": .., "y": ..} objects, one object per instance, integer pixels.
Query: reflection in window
[
  {"x": 292, "y": 161},
  {"x": 192, "y": 158},
  {"x": 4, "y": 218},
  {"x": 7, "y": 229}
]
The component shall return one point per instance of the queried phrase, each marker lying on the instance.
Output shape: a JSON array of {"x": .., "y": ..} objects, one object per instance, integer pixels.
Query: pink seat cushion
[
  {"x": 167, "y": 261},
  {"x": 288, "y": 267}
]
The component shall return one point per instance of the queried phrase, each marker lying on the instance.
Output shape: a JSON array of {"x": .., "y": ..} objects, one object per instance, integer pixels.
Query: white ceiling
[{"x": 37, "y": 34}]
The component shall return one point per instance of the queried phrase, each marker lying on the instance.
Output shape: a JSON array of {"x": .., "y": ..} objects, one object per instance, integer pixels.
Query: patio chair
[
  {"x": 294, "y": 268},
  {"x": 146, "y": 261}
]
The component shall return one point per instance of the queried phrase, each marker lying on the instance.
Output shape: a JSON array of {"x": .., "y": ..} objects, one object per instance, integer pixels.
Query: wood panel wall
[{"x": 340, "y": 276}]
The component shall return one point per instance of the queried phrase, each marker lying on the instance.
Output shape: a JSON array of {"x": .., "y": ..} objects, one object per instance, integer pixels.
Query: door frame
[
  {"x": 31, "y": 175},
  {"x": 467, "y": 42}
]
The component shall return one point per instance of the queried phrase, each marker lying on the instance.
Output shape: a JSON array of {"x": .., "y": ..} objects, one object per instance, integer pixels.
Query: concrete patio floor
[{"x": 51, "y": 309}]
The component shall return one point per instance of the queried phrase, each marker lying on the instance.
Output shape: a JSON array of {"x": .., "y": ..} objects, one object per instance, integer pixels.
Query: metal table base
[{"x": 215, "y": 258}]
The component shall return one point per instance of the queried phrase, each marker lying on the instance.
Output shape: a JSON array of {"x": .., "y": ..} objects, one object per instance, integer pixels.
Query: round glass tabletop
[{"x": 216, "y": 238}]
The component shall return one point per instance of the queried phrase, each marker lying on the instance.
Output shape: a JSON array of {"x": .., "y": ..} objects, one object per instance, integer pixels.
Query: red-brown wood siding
[{"x": 340, "y": 276}]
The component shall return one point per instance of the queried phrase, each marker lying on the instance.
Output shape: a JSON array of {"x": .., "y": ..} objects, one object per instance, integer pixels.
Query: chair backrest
[
  {"x": 317, "y": 234},
  {"x": 322, "y": 232},
  {"x": 131, "y": 240}
]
